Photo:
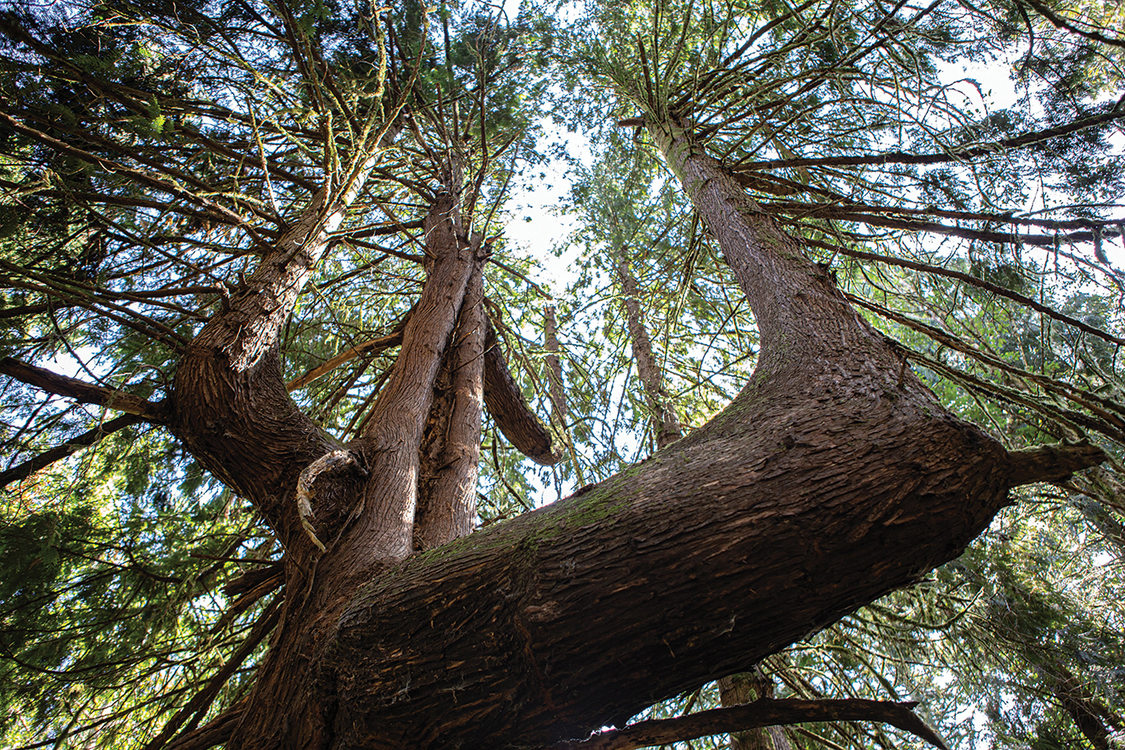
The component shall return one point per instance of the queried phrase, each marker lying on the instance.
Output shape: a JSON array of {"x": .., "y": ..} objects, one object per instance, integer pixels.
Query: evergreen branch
[
  {"x": 80, "y": 390},
  {"x": 958, "y": 154},
  {"x": 69, "y": 448},
  {"x": 194, "y": 710},
  {"x": 1050, "y": 312},
  {"x": 1063, "y": 23}
]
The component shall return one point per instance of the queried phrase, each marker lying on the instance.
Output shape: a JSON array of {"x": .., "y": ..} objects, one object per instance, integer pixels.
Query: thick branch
[
  {"x": 760, "y": 713},
  {"x": 80, "y": 390},
  {"x": 232, "y": 408},
  {"x": 509, "y": 409},
  {"x": 1051, "y": 463}
]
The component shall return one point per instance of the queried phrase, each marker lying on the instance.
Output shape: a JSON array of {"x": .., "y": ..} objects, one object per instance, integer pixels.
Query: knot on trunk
[{"x": 331, "y": 463}]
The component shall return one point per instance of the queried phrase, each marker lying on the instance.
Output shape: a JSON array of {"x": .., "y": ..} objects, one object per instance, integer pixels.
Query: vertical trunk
[
  {"x": 666, "y": 425},
  {"x": 366, "y": 524},
  {"x": 745, "y": 687},
  {"x": 382, "y": 532},
  {"x": 451, "y": 447},
  {"x": 556, "y": 391}
]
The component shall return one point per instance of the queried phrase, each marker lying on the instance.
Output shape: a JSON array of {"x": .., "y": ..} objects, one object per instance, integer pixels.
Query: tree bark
[
  {"x": 447, "y": 497},
  {"x": 664, "y": 421},
  {"x": 834, "y": 477},
  {"x": 364, "y": 506}
]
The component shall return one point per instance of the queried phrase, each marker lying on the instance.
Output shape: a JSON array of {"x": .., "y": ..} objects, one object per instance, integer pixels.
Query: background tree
[{"x": 209, "y": 208}]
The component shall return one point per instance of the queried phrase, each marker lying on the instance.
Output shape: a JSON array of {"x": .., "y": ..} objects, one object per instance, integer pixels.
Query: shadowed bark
[{"x": 509, "y": 409}]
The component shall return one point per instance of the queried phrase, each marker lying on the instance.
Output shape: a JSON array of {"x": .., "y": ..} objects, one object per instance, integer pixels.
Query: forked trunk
[{"x": 834, "y": 477}]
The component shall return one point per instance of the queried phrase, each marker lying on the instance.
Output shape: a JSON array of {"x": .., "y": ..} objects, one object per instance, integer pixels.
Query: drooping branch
[
  {"x": 760, "y": 713},
  {"x": 1064, "y": 23},
  {"x": 187, "y": 718},
  {"x": 1001, "y": 291},
  {"x": 80, "y": 390},
  {"x": 510, "y": 410}
]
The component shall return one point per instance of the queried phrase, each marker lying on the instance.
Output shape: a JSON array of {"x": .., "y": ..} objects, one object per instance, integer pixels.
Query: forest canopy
[{"x": 796, "y": 417}]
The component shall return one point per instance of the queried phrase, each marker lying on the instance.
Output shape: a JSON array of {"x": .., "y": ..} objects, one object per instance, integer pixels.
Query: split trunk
[{"x": 833, "y": 478}]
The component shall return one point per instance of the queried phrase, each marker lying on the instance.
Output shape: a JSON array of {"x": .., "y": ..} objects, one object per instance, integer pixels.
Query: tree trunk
[
  {"x": 833, "y": 478},
  {"x": 666, "y": 425}
]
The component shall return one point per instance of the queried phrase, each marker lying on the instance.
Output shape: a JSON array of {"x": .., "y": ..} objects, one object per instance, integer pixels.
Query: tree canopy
[{"x": 284, "y": 396}]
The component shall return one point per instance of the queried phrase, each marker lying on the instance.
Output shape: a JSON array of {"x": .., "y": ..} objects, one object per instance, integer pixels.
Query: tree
[{"x": 249, "y": 199}]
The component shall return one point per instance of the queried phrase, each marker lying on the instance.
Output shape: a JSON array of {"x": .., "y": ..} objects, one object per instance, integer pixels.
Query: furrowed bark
[
  {"x": 833, "y": 478},
  {"x": 447, "y": 492},
  {"x": 382, "y": 533},
  {"x": 230, "y": 405},
  {"x": 374, "y": 530}
]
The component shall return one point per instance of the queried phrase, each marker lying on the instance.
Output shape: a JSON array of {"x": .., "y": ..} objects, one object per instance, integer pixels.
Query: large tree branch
[
  {"x": 760, "y": 713},
  {"x": 232, "y": 408},
  {"x": 80, "y": 390},
  {"x": 1052, "y": 463}
]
